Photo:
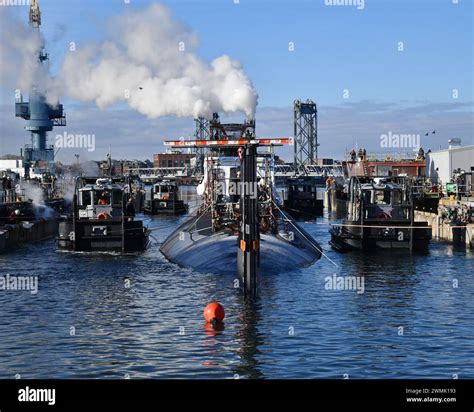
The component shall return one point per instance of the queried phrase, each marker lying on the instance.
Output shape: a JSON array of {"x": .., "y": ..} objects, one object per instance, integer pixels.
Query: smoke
[
  {"x": 90, "y": 168},
  {"x": 19, "y": 50},
  {"x": 33, "y": 192},
  {"x": 148, "y": 61}
]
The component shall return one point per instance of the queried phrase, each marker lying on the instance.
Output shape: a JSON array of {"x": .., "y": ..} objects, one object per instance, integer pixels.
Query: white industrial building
[
  {"x": 13, "y": 165},
  {"x": 441, "y": 163},
  {"x": 16, "y": 165}
]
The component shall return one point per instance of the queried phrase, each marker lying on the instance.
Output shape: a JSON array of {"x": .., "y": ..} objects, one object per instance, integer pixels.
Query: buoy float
[{"x": 214, "y": 313}]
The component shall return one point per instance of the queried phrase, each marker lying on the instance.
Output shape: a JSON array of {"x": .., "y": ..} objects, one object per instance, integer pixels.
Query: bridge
[
  {"x": 288, "y": 170},
  {"x": 149, "y": 174}
]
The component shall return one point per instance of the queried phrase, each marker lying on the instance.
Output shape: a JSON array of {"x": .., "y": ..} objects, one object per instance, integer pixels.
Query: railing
[
  {"x": 387, "y": 156},
  {"x": 309, "y": 170},
  {"x": 160, "y": 171}
]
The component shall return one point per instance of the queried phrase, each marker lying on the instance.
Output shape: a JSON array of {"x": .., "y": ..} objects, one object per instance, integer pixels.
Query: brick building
[{"x": 173, "y": 159}]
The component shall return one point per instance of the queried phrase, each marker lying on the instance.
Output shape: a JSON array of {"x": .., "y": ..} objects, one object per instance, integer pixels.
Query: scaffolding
[
  {"x": 202, "y": 132},
  {"x": 305, "y": 135}
]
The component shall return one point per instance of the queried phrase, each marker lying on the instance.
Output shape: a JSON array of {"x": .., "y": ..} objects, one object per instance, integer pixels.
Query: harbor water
[{"x": 140, "y": 316}]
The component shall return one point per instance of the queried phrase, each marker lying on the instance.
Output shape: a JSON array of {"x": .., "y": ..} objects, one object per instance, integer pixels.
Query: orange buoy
[{"x": 214, "y": 313}]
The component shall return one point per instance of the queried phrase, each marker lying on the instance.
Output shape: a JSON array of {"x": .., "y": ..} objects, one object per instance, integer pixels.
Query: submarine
[{"x": 240, "y": 227}]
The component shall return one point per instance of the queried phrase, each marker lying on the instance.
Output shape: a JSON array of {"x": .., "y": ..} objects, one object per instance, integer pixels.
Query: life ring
[{"x": 102, "y": 216}]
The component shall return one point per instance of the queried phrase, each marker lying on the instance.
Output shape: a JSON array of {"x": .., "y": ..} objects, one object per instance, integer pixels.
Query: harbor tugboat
[
  {"x": 380, "y": 214},
  {"x": 102, "y": 219},
  {"x": 163, "y": 198},
  {"x": 305, "y": 196}
]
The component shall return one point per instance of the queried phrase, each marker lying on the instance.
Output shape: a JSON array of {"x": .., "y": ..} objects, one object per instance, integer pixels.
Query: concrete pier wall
[
  {"x": 445, "y": 231},
  {"x": 333, "y": 204}
]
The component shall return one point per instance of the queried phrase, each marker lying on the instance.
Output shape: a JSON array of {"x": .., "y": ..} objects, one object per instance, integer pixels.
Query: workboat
[
  {"x": 163, "y": 198},
  {"x": 240, "y": 226},
  {"x": 23, "y": 221},
  {"x": 305, "y": 196},
  {"x": 101, "y": 219},
  {"x": 380, "y": 214}
]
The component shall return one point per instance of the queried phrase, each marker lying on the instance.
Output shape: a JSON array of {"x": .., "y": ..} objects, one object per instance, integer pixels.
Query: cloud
[{"x": 148, "y": 61}]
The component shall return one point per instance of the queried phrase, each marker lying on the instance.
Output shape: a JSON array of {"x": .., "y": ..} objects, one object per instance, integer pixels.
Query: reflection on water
[{"x": 108, "y": 316}]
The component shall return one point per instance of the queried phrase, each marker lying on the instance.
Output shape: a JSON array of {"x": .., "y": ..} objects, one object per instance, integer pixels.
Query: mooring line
[
  {"x": 302, "y": 234},
  {"x": 381, "y": 226}
]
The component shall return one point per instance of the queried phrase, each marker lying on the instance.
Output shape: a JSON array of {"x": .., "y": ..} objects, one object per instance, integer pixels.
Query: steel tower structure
[
  {"x": 305, "y": 134},
  {"x": 41, "y": 116}
]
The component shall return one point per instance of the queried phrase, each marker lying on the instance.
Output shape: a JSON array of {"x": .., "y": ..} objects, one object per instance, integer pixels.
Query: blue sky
[{"x": 335, "y": 48}]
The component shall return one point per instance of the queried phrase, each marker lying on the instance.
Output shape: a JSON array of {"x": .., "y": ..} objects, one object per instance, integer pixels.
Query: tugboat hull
[
  {"x": 373, "y": 237},
  {"x": 102, "y": 236},
  {"x": 165, "y": 207}
]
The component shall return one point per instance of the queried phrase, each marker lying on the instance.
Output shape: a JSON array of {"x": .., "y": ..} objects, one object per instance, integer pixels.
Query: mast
[{"x": 248, "y": 257}]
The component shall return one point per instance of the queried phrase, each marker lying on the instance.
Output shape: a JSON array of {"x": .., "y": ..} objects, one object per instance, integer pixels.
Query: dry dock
[{"x": 453, "y": 222}]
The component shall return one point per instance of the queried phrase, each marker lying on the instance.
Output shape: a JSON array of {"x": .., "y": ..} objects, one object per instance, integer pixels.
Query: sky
[{"x": 373, "y": 68}]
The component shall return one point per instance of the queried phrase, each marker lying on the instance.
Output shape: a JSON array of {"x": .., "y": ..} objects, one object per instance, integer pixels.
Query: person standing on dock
[
  {"x": 130, "y": 210},
  {"x": 353, "y": 155}
]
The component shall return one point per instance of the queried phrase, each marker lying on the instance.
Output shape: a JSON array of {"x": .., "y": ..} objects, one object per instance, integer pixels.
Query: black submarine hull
[{"x": 196, "y": 246}]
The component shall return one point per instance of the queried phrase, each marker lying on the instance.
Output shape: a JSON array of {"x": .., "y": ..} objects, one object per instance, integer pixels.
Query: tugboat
[
  {"x": 380, "y": 214},
  {"x": 303, "y": 198},
  {"x": 100, "y": 221},
  {"x": 163, "y": 198},
  {"x": 240, "y": 227}
]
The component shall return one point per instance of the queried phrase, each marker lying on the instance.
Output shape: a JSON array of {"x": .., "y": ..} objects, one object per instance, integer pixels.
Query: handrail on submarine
[{"x": 238, "y": 142}]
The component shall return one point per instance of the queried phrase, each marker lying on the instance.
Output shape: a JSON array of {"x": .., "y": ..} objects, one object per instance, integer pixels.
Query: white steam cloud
[
  {"x": 19, "y": 49},
  {"x": 148, "y": 62}
]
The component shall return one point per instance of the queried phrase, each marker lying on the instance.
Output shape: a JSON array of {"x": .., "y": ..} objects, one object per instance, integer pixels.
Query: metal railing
[{"x": 309, "y": 170}]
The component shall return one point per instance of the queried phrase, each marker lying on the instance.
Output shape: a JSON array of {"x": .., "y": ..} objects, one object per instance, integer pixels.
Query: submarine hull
[{"x": 194, "y": 245}]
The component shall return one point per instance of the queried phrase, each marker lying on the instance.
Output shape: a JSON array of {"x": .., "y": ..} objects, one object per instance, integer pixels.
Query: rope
[
  {"x": 381, "y": 226},
  {"x": 302, "y": 234}
]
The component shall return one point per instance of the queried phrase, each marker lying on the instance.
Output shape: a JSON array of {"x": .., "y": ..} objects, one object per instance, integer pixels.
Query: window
[
  {"x": 86, "y": 198},
  {"x": 102, "y": 198},
  {"x": 366, "y": 196},
  {"x": 117, "y": 197},
  {"x": 397, "y": 197},
  {"x": 382, "y": 197}
]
